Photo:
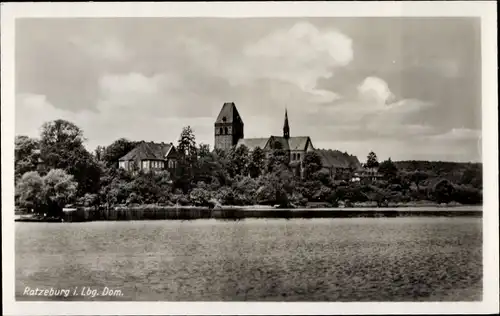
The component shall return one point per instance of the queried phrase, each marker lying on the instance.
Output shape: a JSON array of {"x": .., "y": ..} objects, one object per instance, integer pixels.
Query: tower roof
[
  {"x": 228, "y": 114},
  {"x": 286, "y": 125}
]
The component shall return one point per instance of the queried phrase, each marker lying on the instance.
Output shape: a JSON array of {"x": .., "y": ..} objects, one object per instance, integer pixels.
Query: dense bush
[
  {"x": 47, "y": 194},
  {"x": 199, "y": 197}
]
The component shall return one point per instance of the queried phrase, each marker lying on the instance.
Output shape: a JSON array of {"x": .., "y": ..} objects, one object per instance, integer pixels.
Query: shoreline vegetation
[
  {"x": 57, "y": 179},
  {"x": 232, "y": 212}
]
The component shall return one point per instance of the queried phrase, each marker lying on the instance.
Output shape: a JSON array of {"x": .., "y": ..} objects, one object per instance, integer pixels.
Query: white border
[{"x": 483, "y": 9}]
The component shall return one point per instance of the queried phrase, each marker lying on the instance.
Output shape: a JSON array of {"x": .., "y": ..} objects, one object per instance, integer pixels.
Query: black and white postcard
[{"x": 258, "y": 158}]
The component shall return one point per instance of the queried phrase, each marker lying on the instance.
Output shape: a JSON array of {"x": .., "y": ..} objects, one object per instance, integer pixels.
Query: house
[
  {"x": 341, "y": 166},
  {"x": 150, "y": 156},
  {"x": 229, "y": 132},
  {"x": 367, "y": 175},
  {"x": 40, "y": 165}
]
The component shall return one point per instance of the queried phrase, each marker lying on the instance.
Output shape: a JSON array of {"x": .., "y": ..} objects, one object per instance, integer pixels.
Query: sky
[{"x": 405, "y": 88}]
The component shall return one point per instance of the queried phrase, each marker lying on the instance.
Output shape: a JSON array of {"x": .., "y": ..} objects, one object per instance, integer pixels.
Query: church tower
[
  {"x": 286, "y": 127},
  {"x": 228, "y": 127}
]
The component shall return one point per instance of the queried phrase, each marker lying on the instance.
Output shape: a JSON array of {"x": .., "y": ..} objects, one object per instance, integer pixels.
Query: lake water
[{"x": 351, "y": 259}]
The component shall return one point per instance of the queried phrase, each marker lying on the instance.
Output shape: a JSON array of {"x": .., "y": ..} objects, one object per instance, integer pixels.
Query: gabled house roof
[
  {"x": 149, "y": 151},
  {"x": 337, "y": 159}
]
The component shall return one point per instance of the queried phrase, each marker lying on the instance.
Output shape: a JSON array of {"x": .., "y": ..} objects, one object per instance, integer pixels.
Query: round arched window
[
  {"x": 225, "y": 130},
  {"x": 220, "y": 131}
]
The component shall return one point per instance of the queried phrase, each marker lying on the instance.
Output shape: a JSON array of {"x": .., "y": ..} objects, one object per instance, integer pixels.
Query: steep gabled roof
[
  {"x": 278, "y": 139},
  {"x": 293, "y": 143},
  {"x": 337, "y": 159},
  {"x": 298, "y": 143},
  {"x": 228, "y": 114},
  {"x": 252, "y": 143},
  {"x": 148, "y": 151}
]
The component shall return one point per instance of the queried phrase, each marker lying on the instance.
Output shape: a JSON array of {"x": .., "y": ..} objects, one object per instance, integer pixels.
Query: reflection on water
[{"x": 357, "y": 259}]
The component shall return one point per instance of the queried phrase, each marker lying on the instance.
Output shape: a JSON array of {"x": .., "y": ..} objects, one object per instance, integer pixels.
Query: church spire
[{"x": 286, "y": 127}]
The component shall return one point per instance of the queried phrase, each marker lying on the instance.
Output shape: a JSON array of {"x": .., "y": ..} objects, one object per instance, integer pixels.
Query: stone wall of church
[
  {"x": 227, "y": 135},
  {"x": 223, "y": 136}
]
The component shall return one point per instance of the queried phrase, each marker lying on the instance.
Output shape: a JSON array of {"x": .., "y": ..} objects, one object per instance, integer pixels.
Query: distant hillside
[
  {"x": 412, "y": 165},
  {"x": 457, "y": 172}
]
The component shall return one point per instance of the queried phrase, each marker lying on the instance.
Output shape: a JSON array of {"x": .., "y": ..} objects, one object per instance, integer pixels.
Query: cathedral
[{"x": 229, "y": 132}]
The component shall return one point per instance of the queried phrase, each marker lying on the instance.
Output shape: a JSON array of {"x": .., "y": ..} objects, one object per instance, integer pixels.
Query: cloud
[
  {"x": 110, "y": 50},
  {"x": 458, "y": 134},
  {"x": 157, "y": 95},
  {"x": 110, "y": 122},
  {"x": 445, "y": 67},
  {"x": 32, "y": 110},
  {"x": 375, "y": 105},
  {"x": 299, "y": 55},
  {"x": 130, "y": 86},
  {"x": 448, "y": 68},
  {"x": 376, "y": 90},
  {"x": 373, "y": 115}
]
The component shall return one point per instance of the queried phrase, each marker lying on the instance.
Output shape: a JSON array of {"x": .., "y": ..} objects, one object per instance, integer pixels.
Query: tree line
[{"x": 72, "y": 174}]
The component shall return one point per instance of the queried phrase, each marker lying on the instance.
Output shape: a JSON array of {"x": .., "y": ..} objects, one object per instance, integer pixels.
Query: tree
[
  {"x": 466, "y": 194},
  {"x": 204, "y": 151},
  {"x": 308, "y": 188},
  {"x": 208, "y": 168},
  {"x": 222, "y": 166},
  {"x": 61, "y": 147},
  {"x": 388, "y": 169},
  {"x": 418, "y": 177},
  {"x": 187, "y": 159},
  {"x": 60, "y": 133},
  {"x": 443, "y": 191},
  {"x": 311, "y": 164},
  {"x": 240, "y": 160},
  {"x": 90, "y": 200},
  {"x": 116, "y": 150},
  {"x": 200, "y": 197},
  {"x": 187, "y": 144},
  {"x": 26, "y": 155},
  {"x": 244, "y": 189},
  {"x": 267, "y": 192},
  {"x": 46, "y": 194},
  {"x": 99, "y": 153},
  {"x": 371, "y": 160},
  {"x": 278, "y": 160},
  {"x": 29, "y": 191},
  {"x": 116, "y": 192},
  {"x": 146, "y": 187},
  {"x": 59, "y": 189},
  {"x": 256, "y": 163},
  {"x": 472, "y": 175},
  {"x": 278, "y": 183},
  {"x": 376, "y": 194}
]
